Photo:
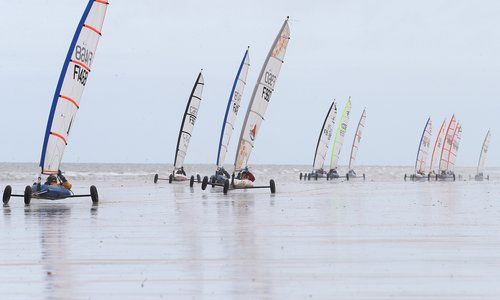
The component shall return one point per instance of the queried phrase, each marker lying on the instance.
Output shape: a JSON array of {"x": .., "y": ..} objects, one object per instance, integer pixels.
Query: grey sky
[{"x": 403, "y": 60}]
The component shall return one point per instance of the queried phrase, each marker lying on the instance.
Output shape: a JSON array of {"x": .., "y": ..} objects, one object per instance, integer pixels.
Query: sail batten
[
  {"x": 325, "y": 136},
  {"x": 261, "y": 97},
  {"x": 232, "y": 109},
  {"x": 70, "y": 86},
  {"x": 188, "y": 121},
  {"x": 357, "y": 139},
  {"x": 340, "y": 135}
]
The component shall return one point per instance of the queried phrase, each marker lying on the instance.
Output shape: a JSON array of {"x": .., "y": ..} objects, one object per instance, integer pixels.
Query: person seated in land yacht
[
  {"x": 180, "y": 171},
  {"x": 245, "y": 174},
  {"x": 53, "y": 180},
  {"x": 221, "y": 172}
]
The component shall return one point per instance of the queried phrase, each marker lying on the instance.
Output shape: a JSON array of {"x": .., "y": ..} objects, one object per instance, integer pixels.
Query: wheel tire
[
  {"x": 226, "y": 186},
  {"x": 406, "y": 176},
  {"x": 198, "y": 178},
  {"x": 347, "y": 176},
  {"x": 429, "y": 177},
  {"x": 155, "y": 180},
  {"x": 93, "y": 194},
  {"x": 454, "y": 178},
  {"x": 272, "y": 186},
  {"x": 309, "y": 176},
  {"x": 436, "y": 177},
  {"x": 191, "y": 181},
  {"x": 170, "y": 178},
  {"x": 204, "y": 183},
  {"x": 300, "y": 176},
  {"x": 27, "y": 195},
  {"x": 327, "y": 176},
  {"x": 364, "y": 176},
  {"x": 6, "y": 194},
  {"x": 212, "y": 181}
]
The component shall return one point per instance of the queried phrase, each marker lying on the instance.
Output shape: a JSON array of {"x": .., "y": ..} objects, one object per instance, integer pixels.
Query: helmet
[{"x": 51, "y": 179}]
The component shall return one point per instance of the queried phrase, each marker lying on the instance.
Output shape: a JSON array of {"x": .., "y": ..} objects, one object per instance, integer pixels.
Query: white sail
[
  {"x": 72, "y": 80},
  {"x": 232, "y": 108},
  {"x": 484, "y": 151},
  {"x": 444, "y": 161},
  {"x": 325, "y": 137},
  {"x": 455, "y": 146},
  {"x": 261, "y": 96},
  {"x": 423, "y": 148},
  {"x": 188, "y": 121},
  {"x": 357, "y": 139},
  {"x": 438, "y": 145},
  {"x": 340, "y": 135}
]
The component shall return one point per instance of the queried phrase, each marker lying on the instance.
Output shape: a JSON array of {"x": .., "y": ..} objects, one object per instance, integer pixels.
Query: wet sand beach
[{"x": 379, "y": 239}]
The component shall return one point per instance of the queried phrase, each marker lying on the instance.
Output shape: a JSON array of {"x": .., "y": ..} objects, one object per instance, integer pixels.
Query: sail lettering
[
  {"x": 80, "y": 74},
  {"x": 84, "y": 55},
  {"x": 266, "y": 93},
  {"x": 270, "y": 78},
  {"x": 236, "y": 102}
]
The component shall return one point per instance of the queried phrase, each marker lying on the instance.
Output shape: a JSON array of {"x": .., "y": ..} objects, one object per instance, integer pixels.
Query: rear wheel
[
  {"x": 198, "y": 178},
  {"x": 93, "y": 194},
  {"x": 436, "y": 177},
  {"x": 226, "y": 187},
  {"x": 347, "y": 176},
  {"x": 272, "y": 186},
  {"x": 309, "y": 176},
  {"x": 6, "y": 194},
  {"x": 155, "y": 180},
  {"x": 300, "y": 176},
  {"x": 191, "y": 181},
  {"x": 327, "y": 176},
  {"x": 315, "y": 176},
  {"x": 27, "y": 195},
  {"x": 212, "y": 181},
  {"x": 454, "y": 177},
  {"x": 170, "y": 178},
  {"x": 406, "y": 176},
  {"x": 364, "y": 176},
  {"x": 204, "y": 183}
]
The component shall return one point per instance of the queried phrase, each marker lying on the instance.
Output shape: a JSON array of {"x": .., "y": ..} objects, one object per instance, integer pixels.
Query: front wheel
[
  {"x": 155, "y": 180},
  {"x": 272, "y": 186},
  {"x": 300, "y": 176},
  {"x": 347, "y": 176},
  {"x": 406, "y": 176},
  {"x": 27, "y": 195},
  {"x": 454, "y": 177},
  {"x": 204, "y": 183},
  {"x": 226, "y": 187},
  {"x": 170, "y": 178},
  {"x": 93, "y": 194},
  {"x": 6, "y": 194},
  {"x": 198, "y": 178},
  {"x": 191, "y": 181},
  {"x": 364, "y": 176}
]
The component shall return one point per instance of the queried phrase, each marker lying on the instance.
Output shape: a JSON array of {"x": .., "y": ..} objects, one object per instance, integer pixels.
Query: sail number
[
  {"x": 85, "y": 56},
  {"x": 270, "y": 79}
]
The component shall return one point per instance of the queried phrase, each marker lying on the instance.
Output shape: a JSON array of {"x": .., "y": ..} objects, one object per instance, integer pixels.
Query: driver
[
  {"x": 222, "y": 172},
  {"x": 52, "y": 180},
  {"x": 246, "y": 174}
]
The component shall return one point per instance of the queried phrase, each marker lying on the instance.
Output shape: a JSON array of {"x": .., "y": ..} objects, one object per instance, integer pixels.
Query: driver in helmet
[
  {"x": 246, "y": 174},
  {"x": 53, "y": 180}
]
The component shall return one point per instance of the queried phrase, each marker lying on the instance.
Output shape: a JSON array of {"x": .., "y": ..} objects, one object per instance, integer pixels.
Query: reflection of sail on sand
[{"x": 57, "y": 273}]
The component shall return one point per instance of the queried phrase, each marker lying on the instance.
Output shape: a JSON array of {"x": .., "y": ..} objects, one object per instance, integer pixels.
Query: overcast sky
[{"x": 402, "y": 60}]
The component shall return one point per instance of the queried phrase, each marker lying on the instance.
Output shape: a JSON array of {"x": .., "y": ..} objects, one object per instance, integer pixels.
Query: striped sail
[
  {"x": 438, "y": 144},
  {"x": 188, "y": 120},
  {"x": 261, "y": 97},
  {"x": 72, "y": 81},
  {"x": 444, "y": 161},
  {"x": 325, "y": 136},
  {"x": 423, "y": 148},
  {"x": 452, "y": 156},
  {"x": 357, "y": 139},
  {"x": 484, "y": 151},
  {"x": 340, "y": 135},
  {"x": 233, "y": 106}
]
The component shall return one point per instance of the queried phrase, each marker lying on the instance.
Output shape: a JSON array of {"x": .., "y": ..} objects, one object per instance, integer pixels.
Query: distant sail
[
  {"x": 452, "y": 156},
  {"x": 187, "y": 124},
  {"x": 261, "y": 96},
  {"x": 438, "y": 145},
  {"x": 484, "y": 151},
  {"x": 339, "y": 135},
  {"x": 325, "y": 136},
  {"x": 233, "y": 106},
  {"x": 444, "y": 161},
  {"x": 72, "y": 81},
  {"x": 423, "y": 148},
  {"x": 357, "y": 139}
]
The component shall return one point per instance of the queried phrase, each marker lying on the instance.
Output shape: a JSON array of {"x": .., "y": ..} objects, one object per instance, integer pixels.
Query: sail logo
[
  {"x": 282, "y": 42},
  {"x": 253, "y": 132},
  {"x": 193, "y": 111},
  {"x": 236, "y": 101},
  {"x": 328, "y": 132}
]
